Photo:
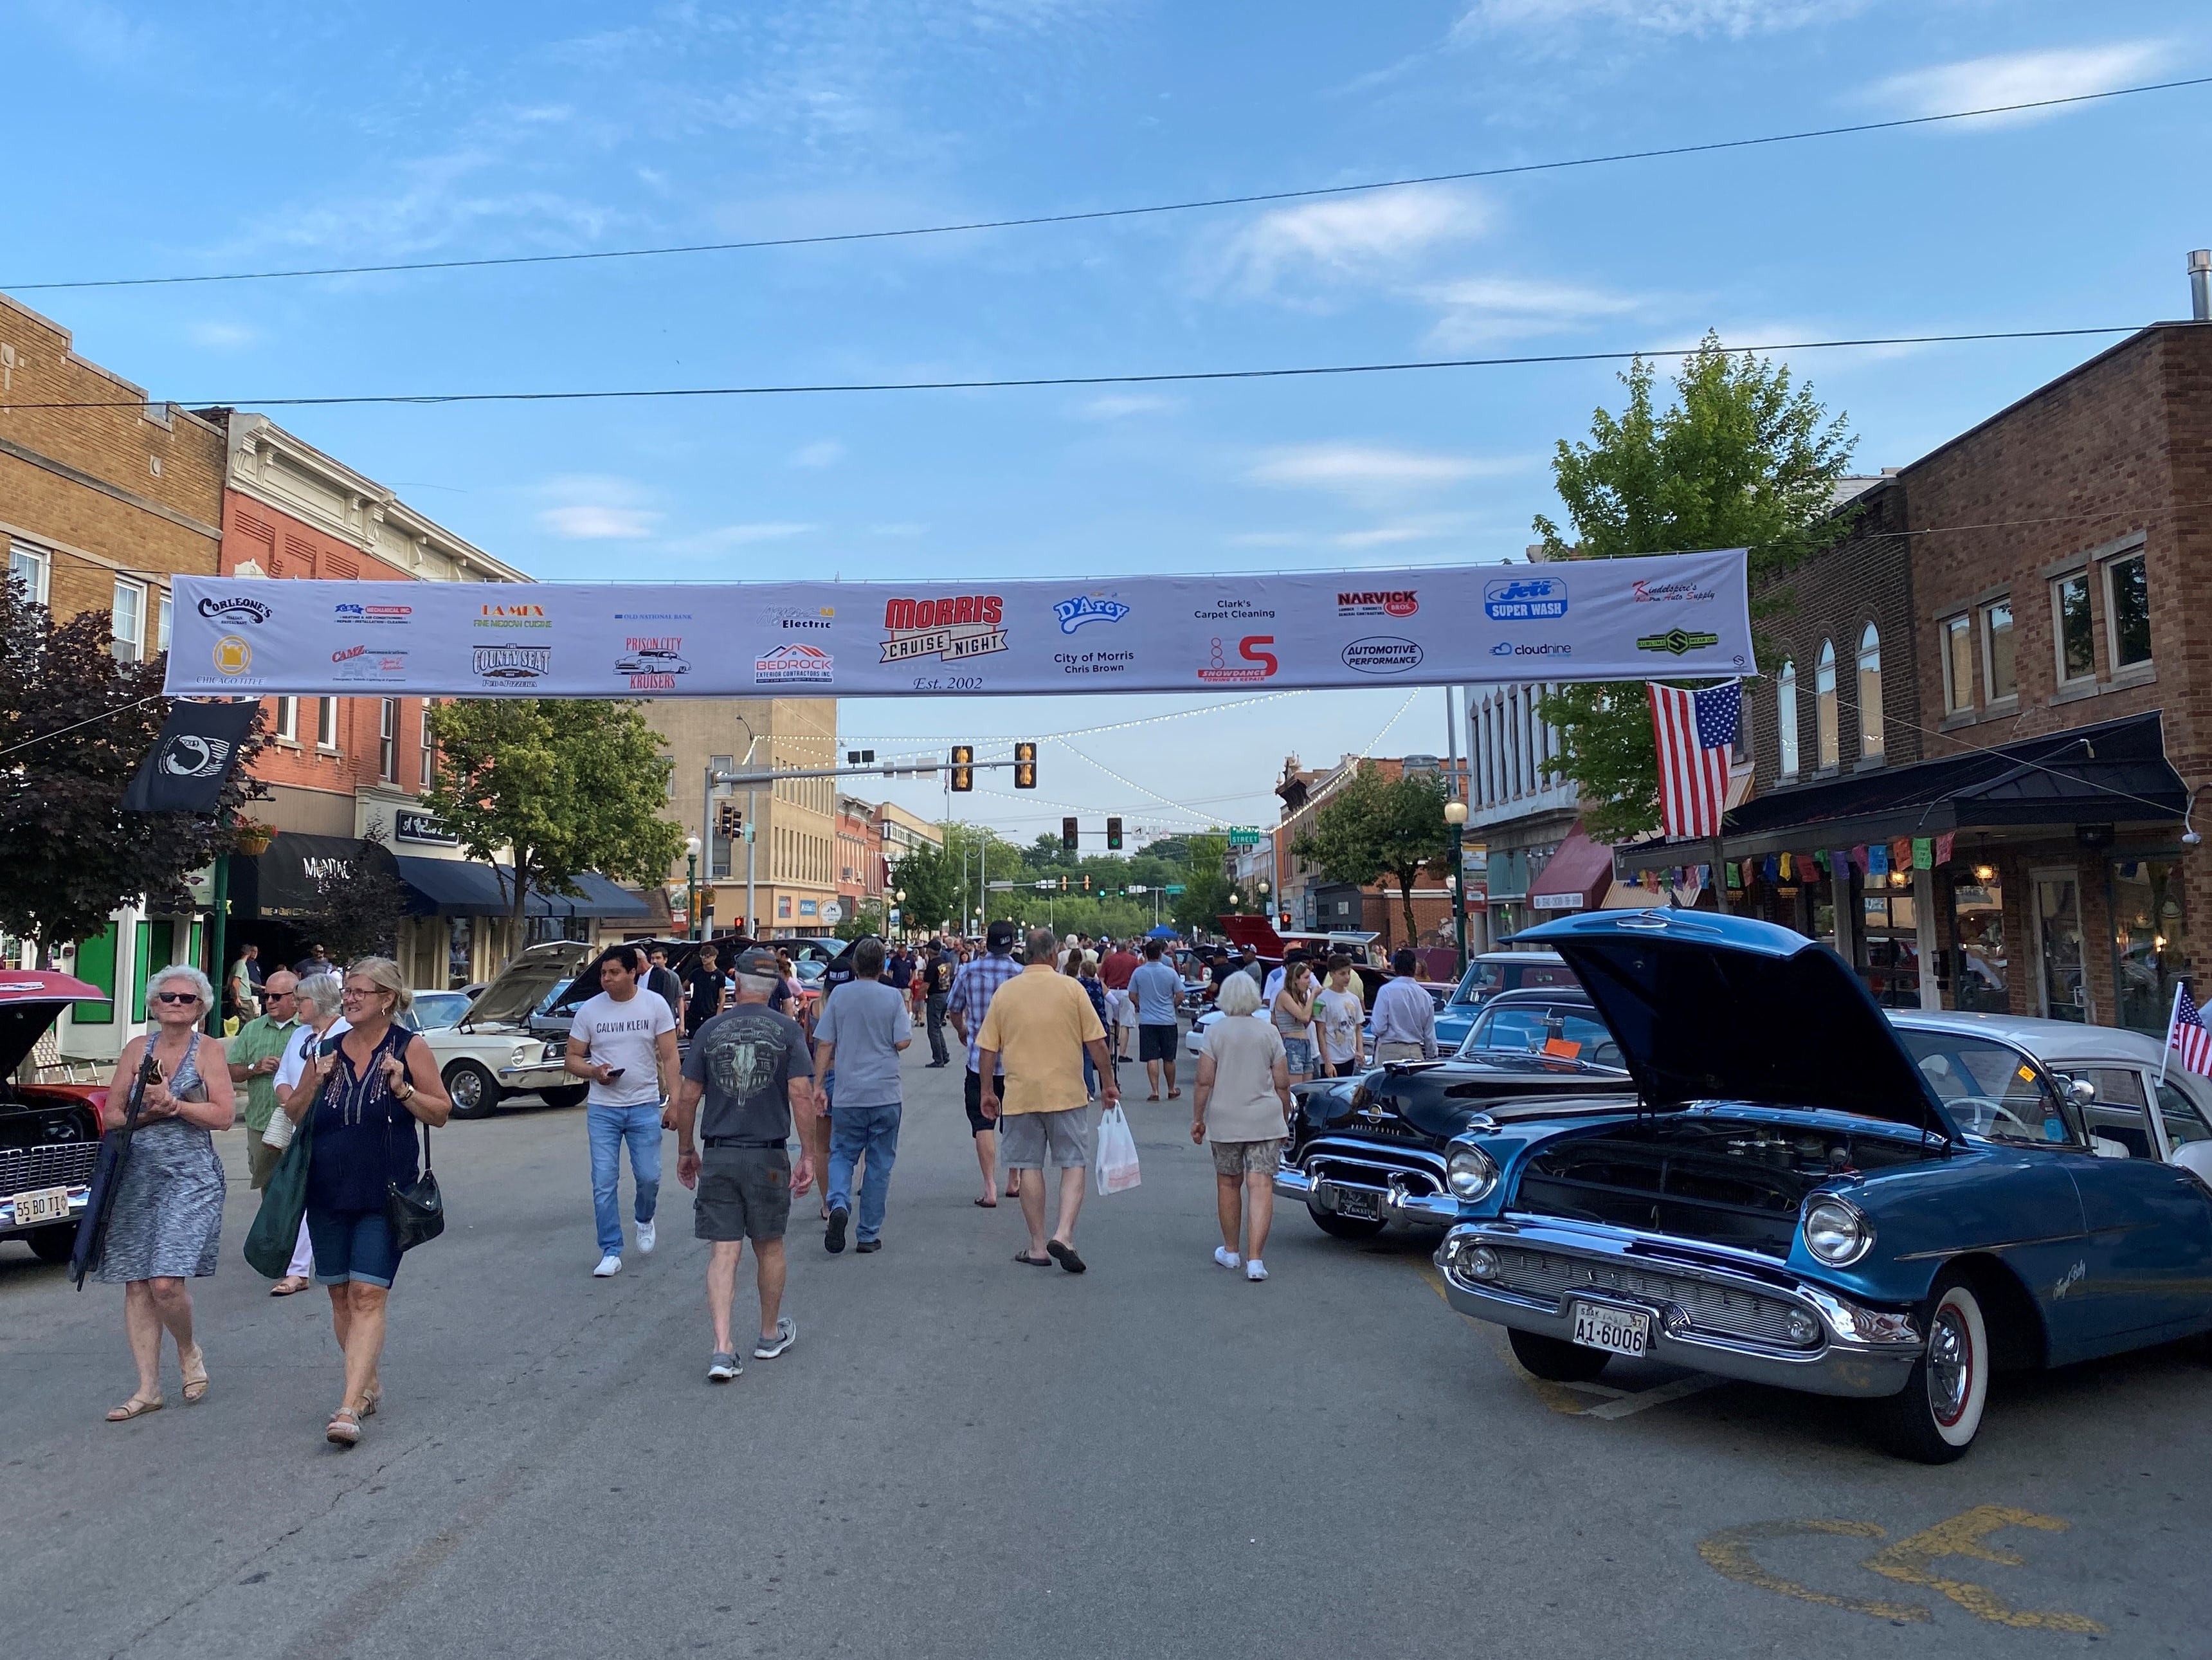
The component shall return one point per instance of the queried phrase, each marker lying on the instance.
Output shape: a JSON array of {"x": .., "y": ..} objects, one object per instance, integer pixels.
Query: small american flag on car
[
  {"x": 1696, "y": 734},
  {"x": 2186, "y": 1034}
]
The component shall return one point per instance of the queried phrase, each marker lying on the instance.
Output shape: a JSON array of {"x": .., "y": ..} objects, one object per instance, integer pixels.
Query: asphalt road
[{"x": 967, "y": 1458}]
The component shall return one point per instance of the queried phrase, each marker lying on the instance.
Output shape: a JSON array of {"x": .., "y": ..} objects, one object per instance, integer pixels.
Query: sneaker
[
  {"x": 723, "y": 1367},
  {"x": 648, "y": 1237},
  {"x": 610, "y": 1265},
  {"x": 786, "y": 1328},
  {"x": 1226, "y": 1257},
  {"x": 1255, "y": 1270},
  {"x": 866, "y": 1245},
  {"x": 833, "y": 1240}
]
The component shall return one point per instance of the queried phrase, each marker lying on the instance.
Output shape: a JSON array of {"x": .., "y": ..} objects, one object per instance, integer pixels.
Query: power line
[
  {"x": 1250, "y": 199},
  {"x": 1029, "y": 381}
]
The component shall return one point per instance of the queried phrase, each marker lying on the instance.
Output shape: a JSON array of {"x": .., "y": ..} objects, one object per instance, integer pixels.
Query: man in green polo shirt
[{"x": 254, "y": 1054}]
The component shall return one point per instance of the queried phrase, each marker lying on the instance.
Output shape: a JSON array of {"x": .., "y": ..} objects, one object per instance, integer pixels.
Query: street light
[
  {"x": 690, "y": 886},
  {"x": 1455, "y": 816}
]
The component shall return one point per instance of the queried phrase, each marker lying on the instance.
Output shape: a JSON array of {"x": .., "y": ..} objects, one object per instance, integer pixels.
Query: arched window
[
  {"x": 1827, "y": 733},
  {"x": 1870, "y": 695},
  {"x": 1785, "y": 716}
]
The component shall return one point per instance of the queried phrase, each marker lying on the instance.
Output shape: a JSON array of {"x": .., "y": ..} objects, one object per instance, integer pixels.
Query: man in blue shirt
[
  {"x": 1405, "y": 1017},
  {"x": 1156, "y": 990},
  {"x": 973, "y": 988},
  {"x": 862, "y": 1030}
]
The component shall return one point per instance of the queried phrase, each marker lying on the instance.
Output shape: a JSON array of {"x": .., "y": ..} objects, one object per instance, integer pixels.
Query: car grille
[
  {"x": 1340, "y": 1160},
  {"x": 56, "y": 1165},
  {"x": 1727, "y": 1310}
]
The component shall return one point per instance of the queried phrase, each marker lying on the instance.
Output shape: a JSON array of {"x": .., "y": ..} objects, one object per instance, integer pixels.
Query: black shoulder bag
[{"x": 413, "y": 1214}]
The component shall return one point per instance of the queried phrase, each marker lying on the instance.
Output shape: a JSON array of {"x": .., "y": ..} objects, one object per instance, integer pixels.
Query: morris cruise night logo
[
  {"x": 1525, "y": 600},
  {"x": 513, "y": 662},
  {"x": 651, "y": 662},
  {"x": 1383, "y": 602},
  {"x": 794, "y": 663},
  {"x": 1088, "y": 608},
  {"x": 1677, "y": 642},
  {"x": 951, "y": 630}
]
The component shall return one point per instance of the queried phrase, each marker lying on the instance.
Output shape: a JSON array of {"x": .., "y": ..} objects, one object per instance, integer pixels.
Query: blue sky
[{"x": 226, "y": 137}]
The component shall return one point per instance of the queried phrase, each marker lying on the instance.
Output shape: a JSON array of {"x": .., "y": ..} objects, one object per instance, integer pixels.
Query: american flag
[
  {"x": 2186, "y": 1034},
  {"x": 1696, "y": 732}
]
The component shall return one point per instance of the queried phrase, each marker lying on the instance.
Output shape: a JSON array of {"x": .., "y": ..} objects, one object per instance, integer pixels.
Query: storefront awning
[
  {"x": 453, "y": 887},
  {"x": 596, "y": 896},
  {"x": 1576, "y": 878},
  {"x": 284, "y": 879},
  {"x": 2115, "y": 773}
]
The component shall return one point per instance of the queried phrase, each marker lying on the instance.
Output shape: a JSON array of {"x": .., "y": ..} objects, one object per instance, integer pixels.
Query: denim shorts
[
  {"x": 352, "y": 1245},
  {"x": 1297, "y": 1053}
]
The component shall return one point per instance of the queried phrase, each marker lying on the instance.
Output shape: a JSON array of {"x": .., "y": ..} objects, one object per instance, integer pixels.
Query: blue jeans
[
  {"x": 863, "y": 1132},
  {"x": 609, "y": 1127}
]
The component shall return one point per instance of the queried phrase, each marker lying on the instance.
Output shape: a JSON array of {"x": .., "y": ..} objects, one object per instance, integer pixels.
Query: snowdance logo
[{"x": 1088, "y": 608}]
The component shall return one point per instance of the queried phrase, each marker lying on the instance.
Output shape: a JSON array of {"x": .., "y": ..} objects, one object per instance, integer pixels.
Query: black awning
[
  {"x": 2115, "y": 773},
  {"x": 281, "y": 881},
  {"x": 595, "y": 897},
  {"x": 453, "y": 887}
]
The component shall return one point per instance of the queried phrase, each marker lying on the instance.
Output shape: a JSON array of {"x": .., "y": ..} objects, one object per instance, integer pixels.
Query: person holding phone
[{"x": 625, "y": 1045}]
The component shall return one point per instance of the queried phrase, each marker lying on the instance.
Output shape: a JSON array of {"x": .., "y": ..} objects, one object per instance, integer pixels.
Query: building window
[
  {"x": 1870, "y": 734},
  {"x": 32, "y": 568},
  {"x": 2071, "y": 629},
  {"x": 326, "y": 723},
  {"x": 1826, "y": 728},
  {"x": 387, "y": 741},
  {"x": 2127, "y": 602},
  {"x": 1958, "y": 665},
  {"x": 428, "y": 752},
  {"x": 1785, "y": 716},
  {"x": 1999, "y": 672},
  {"x": 163, "y": 618},
  {"x": 129, "y": 624},
  {"x": 287, "y": 719}
]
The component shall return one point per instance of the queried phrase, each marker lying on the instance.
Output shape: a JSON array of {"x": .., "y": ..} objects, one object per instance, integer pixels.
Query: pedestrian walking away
[
  {"x": 938, "y": 991},
  {"x": 970, "y": 1004},
  {"x": 166, "y": 1222},
  {"x": 1241, "y": 1105},
  {"x": 255, "y": 1055},
  {"x": 368, "y": 1086},
  {"x": 1083, "y": 968},
  {"x": 624, "y": 1040},
  {"x": 1156, "y": 990},
  {"x": 864, "y": 1029},
  {"x": 1039, "y": 1026},
  {"x": 750, "y": 1070},
  {"x": 1338, "y": 1015},
  {"x": 318, "y": 1001},
  {"x": 242, "y": 988},
  {"x": 1114, "y": 969},
  {"x": 1405, "y": 1017}
]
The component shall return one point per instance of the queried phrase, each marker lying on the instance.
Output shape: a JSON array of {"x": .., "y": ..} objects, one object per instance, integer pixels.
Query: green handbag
[{"x": 275, "y": 1229}]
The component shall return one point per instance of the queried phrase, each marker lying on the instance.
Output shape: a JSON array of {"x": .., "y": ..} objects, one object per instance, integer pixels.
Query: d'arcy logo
[
  {"x": 1088, "y": 608},
  {"x": 1525, "y": 600},
  {"x": 1390, "y": 602},
  {"x": 794, "y": 662},
  {"x": 951, "y": 629},
  {"x": 234, "y": 609},
  {"x": 513, "y": 662}
]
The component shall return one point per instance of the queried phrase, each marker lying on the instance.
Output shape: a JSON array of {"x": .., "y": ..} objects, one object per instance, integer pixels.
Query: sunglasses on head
[{"x": 176, "y": 997}]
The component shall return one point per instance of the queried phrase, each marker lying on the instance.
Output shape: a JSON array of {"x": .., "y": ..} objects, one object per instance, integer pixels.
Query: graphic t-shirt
[
  {"x": 941, "y": 971},
  {"x": 746, "y": 1059},
  {"x": 1155, "y": 987},
  {"x": 1341, "y": 1013},
  {"x": 624, "y": 1035}
]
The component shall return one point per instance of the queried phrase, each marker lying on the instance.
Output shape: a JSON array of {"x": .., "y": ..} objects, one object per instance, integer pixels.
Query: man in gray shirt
[{"x": 863, "y": 1028}]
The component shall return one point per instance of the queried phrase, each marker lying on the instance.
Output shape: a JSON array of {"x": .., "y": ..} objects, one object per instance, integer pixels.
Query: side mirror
[{"x": 2081, "y": 1091}]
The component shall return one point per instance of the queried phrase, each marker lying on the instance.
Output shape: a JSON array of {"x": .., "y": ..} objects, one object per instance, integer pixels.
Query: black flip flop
[
  {"x": 1030, "y": 1262},
  {"x": 1066, "y": 1257},
  {"x": 987, "y": 1204}
]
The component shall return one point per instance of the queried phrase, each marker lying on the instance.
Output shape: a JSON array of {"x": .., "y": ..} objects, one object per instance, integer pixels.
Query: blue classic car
[{"x": 1807, "y": 1196}]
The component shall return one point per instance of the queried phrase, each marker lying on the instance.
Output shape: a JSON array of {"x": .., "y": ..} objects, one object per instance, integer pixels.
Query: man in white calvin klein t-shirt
[{"x": 624, "y": 1041}]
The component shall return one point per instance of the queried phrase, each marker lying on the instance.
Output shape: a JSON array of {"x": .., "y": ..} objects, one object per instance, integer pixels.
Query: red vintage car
[{"x": 49, "y": 1133}]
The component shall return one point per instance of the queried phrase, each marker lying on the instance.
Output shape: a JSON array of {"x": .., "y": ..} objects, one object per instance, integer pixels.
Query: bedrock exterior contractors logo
[
  {"x": 513, "y": 662},
  {"x": 951, "y": 629},
  {"x": 1088, "y": 608},
  {"x": 792, "y": 663},
  {"x": 1382, "y": 653},
  {"x": 1389, "y": 602},
  {"x": 1525, "y": 600}
]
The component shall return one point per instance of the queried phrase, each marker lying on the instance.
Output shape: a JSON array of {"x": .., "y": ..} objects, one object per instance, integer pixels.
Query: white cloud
[
  {"x": 1116, "y": 406},
  {"x": 1352, "y": 237},
  {"x": 2022, "y": 77},
  {"x": 735, "y": 536},
  {"x": 1368, "y": 472},
  {"x": 1733, "y": 18},
  {"x": 223, "y": 336},
  {"x": 596, "y": 507},
  {"x": 823, "y": 452},
  {"x": 1480, "y": 309}
]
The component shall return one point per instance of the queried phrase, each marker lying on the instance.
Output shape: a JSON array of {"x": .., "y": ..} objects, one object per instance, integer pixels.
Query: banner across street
[{"x": 1675, "y": 615}]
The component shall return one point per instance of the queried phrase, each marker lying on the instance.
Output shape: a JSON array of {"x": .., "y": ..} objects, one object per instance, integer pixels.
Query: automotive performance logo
[
  {"x": 513, "y": 662},
  {"x": 651, "y": 662},
  {"x": 1525, "y": 600},
  {"x": 370, "y": 615},
  {"x": 235, "y": 609},
  {"x": 1088, "y": 608},
  {"x": 1382, "y": 653},
  {"x": 1677, "y": 642},
  {"x": 511, "y": 617},
  {"x": 951, "y": 629},
  {"x": 1643, "y": 592},
  {"x": 794, "y": 663},
  {"x": 1393, "y": 602}
]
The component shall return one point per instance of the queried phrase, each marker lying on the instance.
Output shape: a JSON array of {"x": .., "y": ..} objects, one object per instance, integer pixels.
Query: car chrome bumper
[
  {"x": 79, "y": 1197},
  {"x": 1395, "y": 1201},
  {"x": 1837, "y": 1360},
  {"x": 538, "y": 1076}
]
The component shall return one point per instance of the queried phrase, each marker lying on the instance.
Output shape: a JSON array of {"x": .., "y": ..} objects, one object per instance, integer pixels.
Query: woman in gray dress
[{"x": 168, "y": 1208}]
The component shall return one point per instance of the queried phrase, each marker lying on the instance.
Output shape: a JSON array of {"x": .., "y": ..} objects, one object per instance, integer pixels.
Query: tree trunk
[
  {"x": 1406, "y": 899},
  {"x": 514, "y": 941}
]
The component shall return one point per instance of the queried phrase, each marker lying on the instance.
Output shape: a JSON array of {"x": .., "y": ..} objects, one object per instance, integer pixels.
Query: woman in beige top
[{"x": 1243, "y": 1105}]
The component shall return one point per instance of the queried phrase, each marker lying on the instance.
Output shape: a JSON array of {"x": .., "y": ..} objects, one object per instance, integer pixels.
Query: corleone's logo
[
  {"x": 1382, "y": 653},
  {"x": 372, "y": 614},
  {"x": 652, "y": 661},
  {"x": 513, "y": 662},
  {"x": 817, "y": 620},
  {"x": 1645, "y": 593},
  {"x": 951, "y": 629},
  {"x": 1255, "y": 662},
  {"x": 1389, "y": 602},
  {"x": 237, "y": 608},
  {"x": 511, "y": 617},
  {"x": 1088, "y": 608},
  {"x": 232, "y": 655},
  {"x": 1675, "y": 642},
  {"x": 794, "y": 662},
  {"x": 1509, "y": 649},
  {"x": 187, "y": 756},
  {"x": 1525, "y": 600}
]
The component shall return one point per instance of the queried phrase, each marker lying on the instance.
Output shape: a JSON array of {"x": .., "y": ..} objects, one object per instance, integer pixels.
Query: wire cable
[{"x": 1093, "y": 214}]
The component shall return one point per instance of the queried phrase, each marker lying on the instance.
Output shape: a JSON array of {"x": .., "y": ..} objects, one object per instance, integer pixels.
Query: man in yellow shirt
[{"x": 1037, "y": 1028}]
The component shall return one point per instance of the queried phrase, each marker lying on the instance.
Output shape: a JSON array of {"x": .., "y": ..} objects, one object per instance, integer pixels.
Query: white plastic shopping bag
[{"x": 1117, "y": 1163}]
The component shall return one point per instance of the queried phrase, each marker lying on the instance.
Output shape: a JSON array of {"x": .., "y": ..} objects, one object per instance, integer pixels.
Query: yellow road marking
[
  {"x": 1728, "y": 1552},
  {"x": 1910, "y": 1561}
]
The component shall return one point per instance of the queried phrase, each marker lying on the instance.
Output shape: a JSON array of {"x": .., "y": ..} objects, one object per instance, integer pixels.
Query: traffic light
[
  {"x": 1026, "y": 766},
  {"x": 1068, "y": 837},
  {"x": 963, "y": 767},
  {"x": 1086, "y": 885},
  {"x": 729, "y": 821},
  {"x": 1113, "y": 835}
]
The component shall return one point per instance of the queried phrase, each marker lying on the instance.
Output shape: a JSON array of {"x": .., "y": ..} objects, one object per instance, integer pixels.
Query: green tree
[
  {"x": 1376, "y": 826},
  {"x": 1742, "y": 458},
  {"x": 75, "y": 723},
  {"x": 362, "y": 903},
  {"x": 1206, "y": 885},
  {"x": 564, "y": 786}
]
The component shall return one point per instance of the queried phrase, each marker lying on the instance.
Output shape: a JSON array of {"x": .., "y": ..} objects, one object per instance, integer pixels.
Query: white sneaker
[
  {"x": 1255, "y": 1270},
  {"x": 610, "y": 1265},
  {"x": 648, "y": 1237},
  {"x": 1226, "y": 1257}
]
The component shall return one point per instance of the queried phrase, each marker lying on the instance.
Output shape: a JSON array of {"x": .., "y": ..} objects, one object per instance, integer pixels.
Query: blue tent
[{"x": 1163, "y": 932}]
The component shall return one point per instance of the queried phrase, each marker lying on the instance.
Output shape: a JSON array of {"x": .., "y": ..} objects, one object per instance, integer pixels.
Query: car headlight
[
  {"x": 1471, "y": 1171},
  {"x": 521, "y": 1057},
  {"x": 1835, "y": 1232}
]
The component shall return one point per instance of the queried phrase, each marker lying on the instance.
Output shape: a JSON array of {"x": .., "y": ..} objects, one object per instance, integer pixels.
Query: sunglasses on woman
[{"x": 176, "y": 997}]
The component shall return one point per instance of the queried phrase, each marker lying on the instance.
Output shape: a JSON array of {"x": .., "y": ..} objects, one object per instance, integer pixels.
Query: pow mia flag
[{"x": 192, "y": 759}]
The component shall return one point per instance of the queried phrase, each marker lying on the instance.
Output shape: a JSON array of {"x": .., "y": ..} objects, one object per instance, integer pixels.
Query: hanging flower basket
[{"x": 253, "y": 838}]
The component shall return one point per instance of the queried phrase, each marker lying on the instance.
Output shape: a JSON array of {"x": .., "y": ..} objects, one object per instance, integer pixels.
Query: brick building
[{"x": 860, "y": 864}]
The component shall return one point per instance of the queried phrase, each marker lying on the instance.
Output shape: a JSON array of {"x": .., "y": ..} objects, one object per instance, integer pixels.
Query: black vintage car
[{"x": 1366, "y": 1152}]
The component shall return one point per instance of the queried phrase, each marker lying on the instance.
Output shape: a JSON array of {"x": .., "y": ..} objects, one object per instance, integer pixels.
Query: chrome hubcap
[
  {"x": 1950, "y": 1366},
  {"x": 467, "y": 1089}
]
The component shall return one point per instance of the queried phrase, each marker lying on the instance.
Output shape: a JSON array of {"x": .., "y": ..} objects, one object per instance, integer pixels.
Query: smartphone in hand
[{"x": 614, "y": 1073}]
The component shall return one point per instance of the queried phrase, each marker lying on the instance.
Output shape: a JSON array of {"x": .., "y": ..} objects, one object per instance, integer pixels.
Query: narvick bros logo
[
  {"x": 652, "y": 661},
  {"x": 385, "y": 615},
  {"x": 234, "y": 609},
  {"x": 1255, "y": 661},
  {"x": 1382, "y": 653},
  {"x": 1389, "y": 602},
  {"x": 1525, "y": 600},
  {"x": 951, "y": 629},
  {"x": 1088, "y": 608},
  {"x": 794, "y": 662},
  {"x": 513, "y": 662},
  {"x": 511, "y": 617},
  {"x": 1643, "y": 592}
]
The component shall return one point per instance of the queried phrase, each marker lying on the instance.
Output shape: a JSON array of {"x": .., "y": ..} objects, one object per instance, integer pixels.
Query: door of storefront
[
  {"x": 1892, "y": 920},
  {"x": 2149, "y": 940},
  {"x": 2062, "y": 988},
  {"x": 1980, "y": 982}
]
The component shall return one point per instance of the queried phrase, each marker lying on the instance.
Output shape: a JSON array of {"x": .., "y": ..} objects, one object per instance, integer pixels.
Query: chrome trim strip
[{"x": 2007, "y": 1244}]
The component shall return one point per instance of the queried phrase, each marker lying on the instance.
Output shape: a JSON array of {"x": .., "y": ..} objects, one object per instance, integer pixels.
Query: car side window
[
  {"x": 2183, "y": 1122},
  {"x": 1990, "y": 1089},
  {"x": 2121, "y": 1111}
]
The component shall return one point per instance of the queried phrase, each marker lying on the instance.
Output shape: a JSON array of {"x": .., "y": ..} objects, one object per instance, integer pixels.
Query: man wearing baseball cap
[{"x": 973, "y": 988}]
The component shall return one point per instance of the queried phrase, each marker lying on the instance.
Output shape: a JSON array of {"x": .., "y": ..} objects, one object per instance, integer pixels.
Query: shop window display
[
  {"x": 1979, "y": 984},
  {"x": 2149, "y": 940}
]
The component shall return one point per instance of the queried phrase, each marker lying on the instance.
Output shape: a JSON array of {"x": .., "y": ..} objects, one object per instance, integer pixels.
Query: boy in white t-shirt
[
  {"x": 624, "y": 1041},
  {"x": 1338, "y": 1013}
]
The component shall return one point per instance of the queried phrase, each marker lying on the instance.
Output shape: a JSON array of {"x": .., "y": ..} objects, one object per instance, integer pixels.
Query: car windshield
[
  {"x": 1484, "y": 978},
  {"x": 1563, "y": 1032},
  {"x": 1989, "y": 1089},
  {"x": 434, "y": 1009}
]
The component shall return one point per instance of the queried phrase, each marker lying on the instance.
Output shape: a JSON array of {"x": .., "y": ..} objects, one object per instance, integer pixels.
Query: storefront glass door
[
  {"x": 1979, "y": 981},
  {"x": 2063, "y": 988},
  {"x": 2148, "y": 940}
]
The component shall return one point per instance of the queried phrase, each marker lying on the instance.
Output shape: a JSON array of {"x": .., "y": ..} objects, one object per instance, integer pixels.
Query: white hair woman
[
  {"x": 167, "y": 1218},
  {"x": 1242, "y": 1106},
  {"x": 316, "y": 999},
  {"x": 367, "y": 1085}
]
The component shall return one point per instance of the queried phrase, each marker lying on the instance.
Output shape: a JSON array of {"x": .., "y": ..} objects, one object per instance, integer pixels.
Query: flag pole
[{"x": 2173, "y": 1019}]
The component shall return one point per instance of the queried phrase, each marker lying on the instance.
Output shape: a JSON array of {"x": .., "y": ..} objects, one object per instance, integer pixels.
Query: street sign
[
  {"x": 1173, "y": 888},
  {"x": 1136, "y": 887},
  {"x": 1244, "y": 835},
  {"x": 832, "y": 913},
  {"x": 1044, "y": 885},
  {"x": 999, "y": 887}
]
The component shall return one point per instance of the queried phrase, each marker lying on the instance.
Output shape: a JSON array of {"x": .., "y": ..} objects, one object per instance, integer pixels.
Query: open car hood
[
  {"x": 1709, "y": 1007},
  {"x": 32, "y": 999}
]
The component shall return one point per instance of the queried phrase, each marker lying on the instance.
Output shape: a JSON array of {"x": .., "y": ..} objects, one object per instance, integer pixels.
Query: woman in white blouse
[{"x": 1243, "y": 1108}]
